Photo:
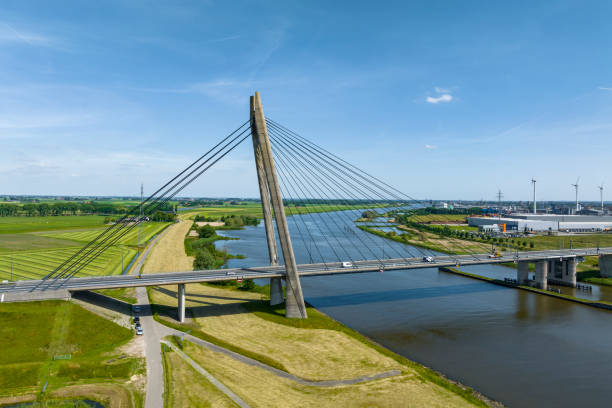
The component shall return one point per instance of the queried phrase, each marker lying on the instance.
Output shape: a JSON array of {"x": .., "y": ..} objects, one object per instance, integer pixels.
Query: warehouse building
[{"x": 543, "y": 223}]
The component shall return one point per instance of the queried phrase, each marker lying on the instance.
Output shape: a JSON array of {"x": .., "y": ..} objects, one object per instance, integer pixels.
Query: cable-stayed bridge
[{"x": 294, "y": 174}]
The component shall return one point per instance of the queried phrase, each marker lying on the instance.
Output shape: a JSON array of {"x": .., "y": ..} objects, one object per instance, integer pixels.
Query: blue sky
[{"x": 445, "y": 100}]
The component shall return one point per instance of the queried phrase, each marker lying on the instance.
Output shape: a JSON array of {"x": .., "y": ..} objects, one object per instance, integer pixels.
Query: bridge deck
[{"x": 330, "y": 268}]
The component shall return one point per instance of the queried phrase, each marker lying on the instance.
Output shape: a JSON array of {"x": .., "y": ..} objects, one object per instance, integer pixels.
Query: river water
[{"x": 520, "y": 348}]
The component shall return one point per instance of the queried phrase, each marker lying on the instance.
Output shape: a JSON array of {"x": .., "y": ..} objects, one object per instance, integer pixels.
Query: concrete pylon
[
  {"x": 522, "y": 273},
  {"x": 605, "y": 265},
  {"x": 569, "y": 271},
  {"x": 541, "y": 274},
  {"x": 181, "y": 302},
  {"x": 294, "y": 304},
  {"x": 276, "y": 285}
]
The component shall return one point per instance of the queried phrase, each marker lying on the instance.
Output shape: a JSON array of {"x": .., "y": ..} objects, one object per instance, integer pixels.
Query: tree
[
  {"x": 206, "y": 231},
  {"x": 369, "y": 214},
  {"x": 531, "y": 245},
  {"x": 203, "y": 260},
  {"x": 247, "y": 285}
]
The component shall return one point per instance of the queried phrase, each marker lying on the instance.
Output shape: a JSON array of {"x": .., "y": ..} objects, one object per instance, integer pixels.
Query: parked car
[
  {"x": 136, "y": 309},
  {"x": 137, "y": 320},
  {"x": 139, "y": 331}
]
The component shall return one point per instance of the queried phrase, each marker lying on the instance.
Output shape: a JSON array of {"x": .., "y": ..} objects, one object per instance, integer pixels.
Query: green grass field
[
  {"x": 31, "y": 247},
  {"x": 36, "y": 264},
  {"x": 577, "y": 241},
  {"x": 36, "y": 332},
  {"x": 12, "y": 225},
  {"x": 86, "y": 235},
  {"x": 439, "y": 218}
]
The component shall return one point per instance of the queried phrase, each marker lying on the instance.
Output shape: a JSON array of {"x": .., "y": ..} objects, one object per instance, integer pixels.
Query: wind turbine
[
  {"x": 601, "y": 196},
  {"x": 533, "y": 181},
  {"x": 576, "y": 187}
]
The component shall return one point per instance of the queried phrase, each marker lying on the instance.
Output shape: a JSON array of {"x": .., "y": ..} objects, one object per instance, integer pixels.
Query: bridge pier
[
  {"x": 605, "y": 265},
  {"x": 541, "y": 274},
  {"x": 522, "y": 273},
  {"x": 181, "y": 302},
  {"x": 569, "y": 271},
  {"x": 276, "y": 291}
]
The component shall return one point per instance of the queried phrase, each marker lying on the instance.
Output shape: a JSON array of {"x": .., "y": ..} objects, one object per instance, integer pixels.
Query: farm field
[
  {"x": 86, "y": 235},
  {"x": 14, "y": 225},
  {"x": 31, "y": 247},
  {"x": 37, "y": 263},
  {"x": 77, "y": 353}
]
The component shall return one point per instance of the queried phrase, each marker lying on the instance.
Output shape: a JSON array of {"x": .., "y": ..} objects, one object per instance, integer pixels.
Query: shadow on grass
[{"x": 104, "y": 301}]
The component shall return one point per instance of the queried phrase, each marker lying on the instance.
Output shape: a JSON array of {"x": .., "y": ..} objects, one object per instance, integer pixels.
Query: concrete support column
[
  {"x": 522, "y": 273},
  {"x": 541, "y": 274},
  {"x": 605, "y": 265},
  {"x": 569, "y": 271},
  {"x": 181, "y": 302},
  {"x": 276, "y": 291}
]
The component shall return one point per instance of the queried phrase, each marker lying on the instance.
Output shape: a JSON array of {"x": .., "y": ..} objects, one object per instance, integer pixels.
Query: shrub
[
  {"x": 247, "y": 285},
  {"x": 206, "y": 231},
  {"x": 203, "y": 259}
]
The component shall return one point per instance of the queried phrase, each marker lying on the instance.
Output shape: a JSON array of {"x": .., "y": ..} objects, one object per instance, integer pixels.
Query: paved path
[
  {"x": 154, "y": 397},
  {"x": 208, "y": 376},
  {"x": 153, "y": 332}
]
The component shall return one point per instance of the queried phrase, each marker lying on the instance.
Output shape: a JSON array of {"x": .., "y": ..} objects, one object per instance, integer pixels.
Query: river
[{"x": 520, "y": 348}]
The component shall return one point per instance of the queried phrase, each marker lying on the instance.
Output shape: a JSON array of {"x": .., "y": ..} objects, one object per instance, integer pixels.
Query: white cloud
[
  {"x": 9, "y": 34},
  {"x": 430, "y": 147},
  {"x": 441, "y": 98},
  {"x": 603, "y": 88}
]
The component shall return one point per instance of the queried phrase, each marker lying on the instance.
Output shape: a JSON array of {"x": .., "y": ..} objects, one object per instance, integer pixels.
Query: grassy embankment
[
  {"x": 73, "y": 351},
  {"x": 31, "y": 247},
  {"x": 317, "y": 348},
  {"x": 199, "y": 392}
]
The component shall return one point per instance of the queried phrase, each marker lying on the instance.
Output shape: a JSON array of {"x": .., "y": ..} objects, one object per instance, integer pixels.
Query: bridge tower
[{"x": 272, "y": 203}]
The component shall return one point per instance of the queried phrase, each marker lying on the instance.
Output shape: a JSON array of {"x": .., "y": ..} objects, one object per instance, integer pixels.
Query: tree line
[{"x": 69, "y": 208}]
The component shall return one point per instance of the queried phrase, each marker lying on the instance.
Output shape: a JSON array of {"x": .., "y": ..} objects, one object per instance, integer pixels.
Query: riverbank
[
  {"x": 315, "y": 349},
  {"x": 597, "y": 304}
]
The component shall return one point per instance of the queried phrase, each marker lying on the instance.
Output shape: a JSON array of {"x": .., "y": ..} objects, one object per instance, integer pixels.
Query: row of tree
[{"x": 69, "y": 208}]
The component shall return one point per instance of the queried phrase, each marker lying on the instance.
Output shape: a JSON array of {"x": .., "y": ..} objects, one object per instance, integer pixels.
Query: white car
[
  {"x": 230, "y": 273},
  {"x": 139, "y": 331},
  {"x": 427, "y": 259},
  {"x": 347, "y": 264}
]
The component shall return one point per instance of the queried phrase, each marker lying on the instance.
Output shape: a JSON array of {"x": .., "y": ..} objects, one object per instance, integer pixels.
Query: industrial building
[{"x": 543, "y": 223}]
